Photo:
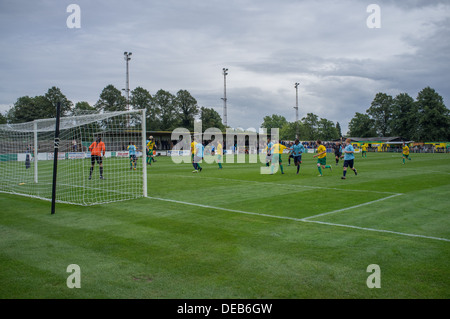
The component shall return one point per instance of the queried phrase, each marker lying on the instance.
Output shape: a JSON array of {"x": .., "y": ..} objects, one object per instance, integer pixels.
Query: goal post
[{"x": 27, "y": 154}]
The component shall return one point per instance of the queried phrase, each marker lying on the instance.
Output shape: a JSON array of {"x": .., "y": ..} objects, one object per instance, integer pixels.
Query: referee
[{"x": 337, "y": 152}]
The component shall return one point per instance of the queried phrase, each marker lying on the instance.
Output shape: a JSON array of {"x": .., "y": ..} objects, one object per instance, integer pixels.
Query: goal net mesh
[{"x": 27, "y": 156}]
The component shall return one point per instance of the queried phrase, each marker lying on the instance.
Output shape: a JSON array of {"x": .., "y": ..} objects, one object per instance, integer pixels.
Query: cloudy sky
[{"x": 267, "y": 46}]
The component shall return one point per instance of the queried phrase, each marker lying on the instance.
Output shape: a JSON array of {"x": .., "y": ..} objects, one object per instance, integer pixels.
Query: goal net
[{"x": 27, "y": 156}]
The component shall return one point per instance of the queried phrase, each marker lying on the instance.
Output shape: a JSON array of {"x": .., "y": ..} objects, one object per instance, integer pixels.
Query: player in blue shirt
[
  {"x": 132, "y": 153},
  {"x": 349, "y": 158},
  {"x": 268, "y": 154},
  {"x": 297, "y": 150},
  {"x": 199, "y": 150},
  {"x": 291, "y": 155}
]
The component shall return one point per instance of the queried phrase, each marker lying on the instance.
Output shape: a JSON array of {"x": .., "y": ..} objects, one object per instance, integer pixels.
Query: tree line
[
  {"x": 164, "y": 111},
  {"x": 424, "y": 119},
  {"x": 309, "y": 128}
]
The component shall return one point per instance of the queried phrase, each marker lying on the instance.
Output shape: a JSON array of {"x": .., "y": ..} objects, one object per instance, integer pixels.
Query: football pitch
[{"x": 236, "y": 233}]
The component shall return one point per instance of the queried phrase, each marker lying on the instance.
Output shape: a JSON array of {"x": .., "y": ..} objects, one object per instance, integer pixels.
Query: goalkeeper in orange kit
[{"x": 97, "y": 150}]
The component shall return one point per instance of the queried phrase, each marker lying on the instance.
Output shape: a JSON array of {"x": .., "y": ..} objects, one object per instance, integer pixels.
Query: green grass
[{"x": 235, "y": 233}]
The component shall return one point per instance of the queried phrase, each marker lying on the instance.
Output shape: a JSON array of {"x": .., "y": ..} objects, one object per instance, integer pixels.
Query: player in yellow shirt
[
  {"x": 405, "y": 153},
  {"x": 150, "y": 147},
  {"x": 193, "y": 144},
  {"x": 219, "y": 153},
  {"x": 276, "y": 150},
  {"x": 364, "y": 150},
  {"x": 322, "y": 157}
]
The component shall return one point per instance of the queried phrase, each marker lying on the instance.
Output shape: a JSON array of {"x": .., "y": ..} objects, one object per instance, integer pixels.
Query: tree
[
  {"x": 405, "y": 117},
  {"x": 211, "y": 119},
  {"x": 111, "y": 100},
  {"x": 361, "y": 125},
  {"x": 289, "y": 130},
  {"x": 142, "y": 99},
  {"x": 22, "y": 111},
  {"x": 27, "y": 109},
  {"x": 434, "y": 117},
  {"x": 273, "y": 121},
  {"x": 381, "y": 110},
  {"x": 186, "y": 104},
  {"x": 310, "y": 126},
  {"x": 169, "y": 113},
  {"x": 83, "y": 107},
  {"x": 327, "y": 130},
  {"x": 338, "y": 129},
  {"x": 54, "y": 95},
  {"x": 2, "y": 119}
]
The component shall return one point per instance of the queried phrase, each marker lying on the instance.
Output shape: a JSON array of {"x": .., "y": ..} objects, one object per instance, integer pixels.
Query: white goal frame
[{"x": 15, "y": 137}]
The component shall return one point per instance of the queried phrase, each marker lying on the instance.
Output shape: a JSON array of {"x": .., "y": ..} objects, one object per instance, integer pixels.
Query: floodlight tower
[
  {"x": 225, "y": 73},
  {"x": 127, "y": 57},
  {"x": 296, "y": 108}
]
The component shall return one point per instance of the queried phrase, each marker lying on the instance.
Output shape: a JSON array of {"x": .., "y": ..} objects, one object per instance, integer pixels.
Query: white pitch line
[
  {"x": 376, "y": 230},
  {"x": 347, "y": 208},
  {"x": 224, "y": 209},
  {"x": 306, "y": 220}
]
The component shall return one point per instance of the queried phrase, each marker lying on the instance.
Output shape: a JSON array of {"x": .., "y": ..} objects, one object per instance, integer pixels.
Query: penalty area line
[
  {"x": 375, "y": 230},
  {"x": 307, "y": 219},
  {"x": 351, "y": 207},
  {"x": 224, "y": 209}
]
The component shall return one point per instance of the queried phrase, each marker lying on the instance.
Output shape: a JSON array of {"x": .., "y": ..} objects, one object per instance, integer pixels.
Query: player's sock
[
  {"x": 403, "y": 160},
  {"x": 320, "y": 170},
  {"x": 220, "y": 165},
  {"x": 90, "y": 172},
  {"x": 328, "y": 166},
  {"x": 345, "y": 173},
  {"x": 298, "y": 168},
  {"x": 281, "y": 166},
  {"x": 101, "y": 172}
]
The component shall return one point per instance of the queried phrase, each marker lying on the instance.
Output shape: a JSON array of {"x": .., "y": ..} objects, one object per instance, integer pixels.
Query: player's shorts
[
  {"x": 297, "y": 159},
  {"x": 338, "y": 154},
  {"x": 133, "y": 157},
  {"x": 406, "y": 156},
  {"x": 269, "y": 157},
  {"x": 219, "y": 158},
  {"x": 348, "y": 163},
  {"x": 197, "y": 159},
  {"x": 322, "y": 161},
  {"x": 276, "y": 158},
  {"x": 95, "y": 158}
]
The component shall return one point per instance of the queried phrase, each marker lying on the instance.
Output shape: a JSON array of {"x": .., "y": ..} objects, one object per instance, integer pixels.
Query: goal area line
[{"x": 309, "y": 219}]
